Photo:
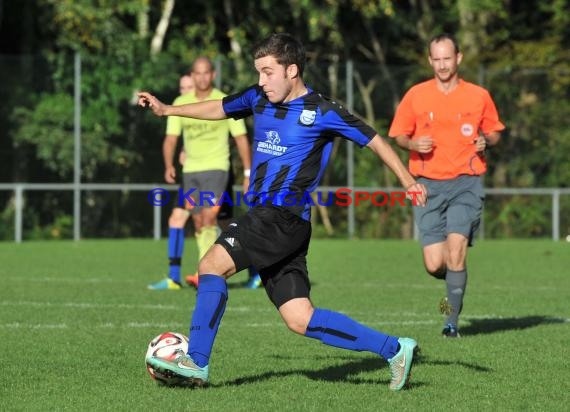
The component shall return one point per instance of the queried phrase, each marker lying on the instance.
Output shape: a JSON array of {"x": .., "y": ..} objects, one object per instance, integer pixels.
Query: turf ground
[{"x": 76, "y": 319}]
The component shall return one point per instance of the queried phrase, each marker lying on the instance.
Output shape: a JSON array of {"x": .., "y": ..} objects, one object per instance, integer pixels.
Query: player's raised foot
[
  {"x": 450, "y": 331},
  {"x": 445, "y": 307},
  {"x": 254, "y": 282},
  {"x": 401, "y": 363},
  {"x": 165, "y": 284},
  {"x": 183, "y": 367},
  {"x": 192, "y": 280}
]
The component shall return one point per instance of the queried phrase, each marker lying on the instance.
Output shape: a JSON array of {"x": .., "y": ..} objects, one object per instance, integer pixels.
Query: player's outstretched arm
[
  {"x": 385, "y": 152},
  {"x": 207, "y": 110}
]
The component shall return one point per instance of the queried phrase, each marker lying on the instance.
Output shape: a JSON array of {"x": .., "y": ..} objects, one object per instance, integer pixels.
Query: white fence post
[
  {"x": 18, "y": 213},
  {"x": 556, "y": 214},
  {"x": 77, "y": 151},
  {"x": 156, "y": 220}
]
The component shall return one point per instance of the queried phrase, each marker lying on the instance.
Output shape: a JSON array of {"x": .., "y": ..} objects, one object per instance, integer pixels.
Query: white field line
[
  {"x": 89, "y": 305},
  {"x": 237, "y": 309},
  {"x": 229, "y": 309},
  {"x": 86, "y": 305},
  {"x": 19, "y": 325},
  {"x": 49, "y": 279},
  {"x": 168, "y": 326},
  {"x": 440, "y": 285},
  {"x": 179, "y": 326},
  {"x": 367, "y": 285},
  {"x": 402, "y": 318}
]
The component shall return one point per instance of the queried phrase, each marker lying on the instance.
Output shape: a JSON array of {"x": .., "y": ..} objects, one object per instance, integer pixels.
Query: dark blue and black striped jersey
[{"x": 292, "y": 143}]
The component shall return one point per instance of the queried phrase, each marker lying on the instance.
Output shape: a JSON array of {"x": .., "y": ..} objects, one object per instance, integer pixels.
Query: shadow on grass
[
  {"x": 467, "y": 365},
  {"x": 348, "y": 371},
  {"x": 480, "y": 326},
  {"x": 337, "y": 373}
]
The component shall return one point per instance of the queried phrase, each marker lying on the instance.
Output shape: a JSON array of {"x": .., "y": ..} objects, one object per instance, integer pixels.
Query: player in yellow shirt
[{"x": 205, "y": 169}]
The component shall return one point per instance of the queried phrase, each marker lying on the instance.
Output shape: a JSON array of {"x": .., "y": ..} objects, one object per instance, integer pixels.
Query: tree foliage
[{"x": 518, "y": 50}]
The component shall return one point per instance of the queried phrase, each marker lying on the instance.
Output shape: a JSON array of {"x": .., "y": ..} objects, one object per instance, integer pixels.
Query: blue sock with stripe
[
  {"x": 210, "y": 305},
  {"x": 175, "y": 249},
  {"x": 336, "y": 329}
]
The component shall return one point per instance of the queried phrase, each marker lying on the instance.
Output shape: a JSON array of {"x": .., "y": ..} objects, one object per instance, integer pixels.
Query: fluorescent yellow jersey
[{"x": 205, "y": 141}]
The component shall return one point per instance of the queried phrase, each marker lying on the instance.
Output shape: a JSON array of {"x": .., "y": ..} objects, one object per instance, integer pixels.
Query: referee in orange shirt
[{"x": 446, "y": 123}]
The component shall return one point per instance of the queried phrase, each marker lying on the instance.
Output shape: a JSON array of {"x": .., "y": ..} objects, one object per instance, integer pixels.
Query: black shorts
[{"x": 275, "y": 242}]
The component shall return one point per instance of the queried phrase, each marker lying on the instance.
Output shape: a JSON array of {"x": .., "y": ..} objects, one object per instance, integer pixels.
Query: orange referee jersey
[{"x": 453, "y": 121}]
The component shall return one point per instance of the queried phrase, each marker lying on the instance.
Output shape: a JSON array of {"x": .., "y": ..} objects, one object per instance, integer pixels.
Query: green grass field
[{"x": 76, "y": 319}]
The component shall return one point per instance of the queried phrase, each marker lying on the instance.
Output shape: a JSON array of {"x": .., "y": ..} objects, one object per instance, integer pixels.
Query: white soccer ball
[{"x": 167, "y": 346}]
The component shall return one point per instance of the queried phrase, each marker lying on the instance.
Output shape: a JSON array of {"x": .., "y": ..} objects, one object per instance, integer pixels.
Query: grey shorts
[
  {"x": 453, "y": 206},
  {"x": 204, "y": 188}
]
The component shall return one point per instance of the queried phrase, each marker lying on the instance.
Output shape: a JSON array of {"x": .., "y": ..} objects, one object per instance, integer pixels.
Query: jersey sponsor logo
[
  {"x": 467, "y": 129},
  {"x": 272, "y": 137},
  {"x": 308, "y": 117},
  {"x": 271, "y": 145}
]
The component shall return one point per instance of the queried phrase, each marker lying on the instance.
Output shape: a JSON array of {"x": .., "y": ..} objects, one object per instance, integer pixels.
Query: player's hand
[
  {"x": 423, "y": 144},
  {"x": 148, "y": 100},
  {"x": 417, "y": 193},
  {"x": 170, "y": 175},
  {"x": 480, "y": 144}
]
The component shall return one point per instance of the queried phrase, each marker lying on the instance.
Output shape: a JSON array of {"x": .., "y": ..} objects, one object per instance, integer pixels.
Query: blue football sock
[
  {"x": 210, "y": 305},
  {"x": 336, "y": 329},
  {"x": 175, "y": 248}
]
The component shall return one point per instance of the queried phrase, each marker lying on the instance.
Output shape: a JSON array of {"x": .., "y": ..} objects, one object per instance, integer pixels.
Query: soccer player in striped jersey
[{"x": 294, "y": 128}]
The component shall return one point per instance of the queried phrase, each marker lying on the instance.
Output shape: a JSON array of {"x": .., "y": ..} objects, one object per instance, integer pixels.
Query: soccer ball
[{"x": 168, "y": 346}]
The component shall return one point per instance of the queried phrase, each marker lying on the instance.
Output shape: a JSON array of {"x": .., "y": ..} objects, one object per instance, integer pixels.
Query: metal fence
[{"x": 19, "y": 189}]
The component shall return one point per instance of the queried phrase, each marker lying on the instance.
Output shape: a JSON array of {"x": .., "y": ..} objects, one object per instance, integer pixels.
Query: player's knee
[
  {"x": 216, "y": 261},
  {"x": 456, "y": 260},
  {"x": 436, "y": 270},
  {"x": 204, "y": 265},
  {"x": 209, "y": 217},
  {"x": 178, "y": 218},
  {"x": 297, "y": 324},
  {"x": 296, "y": 315}
]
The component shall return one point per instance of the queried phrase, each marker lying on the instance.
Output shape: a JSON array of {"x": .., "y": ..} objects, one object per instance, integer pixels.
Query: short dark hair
[
  {"x": 443, "y": 36},
  {"x": 285, "y": 48}
]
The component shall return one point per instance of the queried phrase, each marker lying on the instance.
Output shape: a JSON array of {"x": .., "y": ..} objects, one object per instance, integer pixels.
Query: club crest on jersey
[
  {"x": 307, "y": 117},
  {"x": 466, "y": 129}
]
